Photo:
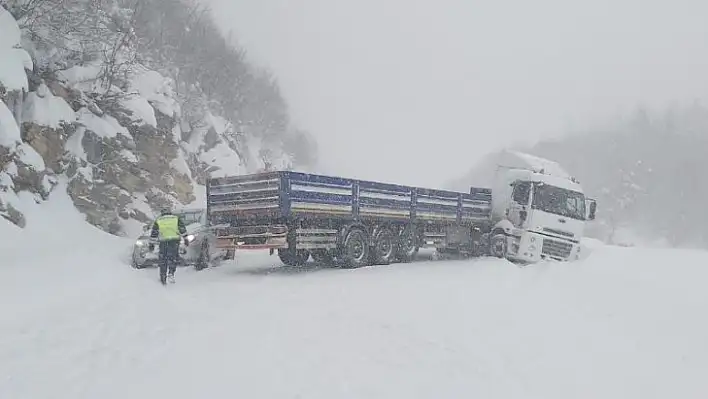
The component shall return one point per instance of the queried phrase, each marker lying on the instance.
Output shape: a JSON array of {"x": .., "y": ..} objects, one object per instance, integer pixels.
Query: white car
[{"x": 199, "y": 251}]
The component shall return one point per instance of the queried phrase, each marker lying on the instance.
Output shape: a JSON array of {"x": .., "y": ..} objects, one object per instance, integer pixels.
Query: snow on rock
[
  {"x": 73, "y": 144},
  {"x": 128, "y": 155},
  {"x": 82, "y": 77},
  {"x": 9, "y": 131},
  {"x": 104, "y": 126},
  {"x": 14, "y": 60},
  {"x": 180, "y": 165},
  {"x": 43, "y": 108},
  {"x": 30, "y": 157},
  {"x": 140, "y": 203},
  {"x": 224, "y": 158},
  {"x": 108, "y": 134},
  {"x": 157, "y": 90},
  {"x": 143, "y": 112},
  {"x": 221, "y": 125}
]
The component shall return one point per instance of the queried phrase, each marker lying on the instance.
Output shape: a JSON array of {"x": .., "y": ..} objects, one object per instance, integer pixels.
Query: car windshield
[
  {"x": 190, "y": 217},
  {"x": 559, "y": 201}
]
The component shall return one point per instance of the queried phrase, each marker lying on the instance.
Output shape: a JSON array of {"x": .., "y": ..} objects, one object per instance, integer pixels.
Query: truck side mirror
[{"x": 593, "y": 209}]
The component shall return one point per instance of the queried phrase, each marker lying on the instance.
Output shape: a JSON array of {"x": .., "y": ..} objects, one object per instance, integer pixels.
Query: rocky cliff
[{"x": 122, "y": 150}]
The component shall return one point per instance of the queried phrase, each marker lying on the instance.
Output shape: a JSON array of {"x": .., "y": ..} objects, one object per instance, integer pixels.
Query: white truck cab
[{"x": 539, "y": 211}]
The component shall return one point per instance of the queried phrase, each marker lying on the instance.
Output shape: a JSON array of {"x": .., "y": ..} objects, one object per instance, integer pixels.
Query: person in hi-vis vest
[{"x": 168, "y": 229}]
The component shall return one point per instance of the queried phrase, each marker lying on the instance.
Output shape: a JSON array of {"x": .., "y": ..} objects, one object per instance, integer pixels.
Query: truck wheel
[
  {"x": 407, "y": 246},
  {"x": 384, "y": 249},
  {"x": 293, "y": 258},
  {"x": 497, "y": 246},
  {"x": 355, "y": 249}
]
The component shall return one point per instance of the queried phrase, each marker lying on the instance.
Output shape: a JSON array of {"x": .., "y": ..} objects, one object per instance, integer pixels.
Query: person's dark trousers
[{"x": 169, "y": 250}]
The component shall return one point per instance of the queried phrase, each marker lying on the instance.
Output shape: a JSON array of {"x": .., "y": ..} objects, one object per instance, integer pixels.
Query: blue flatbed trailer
[{"x": 355, "y": 222}]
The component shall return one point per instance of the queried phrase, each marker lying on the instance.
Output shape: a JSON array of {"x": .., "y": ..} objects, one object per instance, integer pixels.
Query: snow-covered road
[{"x": 625, "y": 323}]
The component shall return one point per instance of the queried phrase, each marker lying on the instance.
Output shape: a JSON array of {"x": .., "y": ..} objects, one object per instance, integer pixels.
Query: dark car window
[{"x": 191, "y": 217}]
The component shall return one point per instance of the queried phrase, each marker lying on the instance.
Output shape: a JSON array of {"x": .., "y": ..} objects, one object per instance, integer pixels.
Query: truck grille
[{"x": 556, "y": 249}]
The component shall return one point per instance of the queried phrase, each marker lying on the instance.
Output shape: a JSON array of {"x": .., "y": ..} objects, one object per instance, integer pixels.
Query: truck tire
[
  {"x": 407, "y": 245},
  {"x": 383, "y": 252},
  {"x": 293, "y": 258},
  {"x": 498, "y": 245},
  {"x": 355, "y": 249}
]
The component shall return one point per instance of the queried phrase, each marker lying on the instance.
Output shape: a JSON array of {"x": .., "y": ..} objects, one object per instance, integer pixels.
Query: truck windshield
[{"x": 559, "y": 201}]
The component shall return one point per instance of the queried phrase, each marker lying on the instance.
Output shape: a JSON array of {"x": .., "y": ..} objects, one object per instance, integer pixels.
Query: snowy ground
[{"x": 78, "y": 322}]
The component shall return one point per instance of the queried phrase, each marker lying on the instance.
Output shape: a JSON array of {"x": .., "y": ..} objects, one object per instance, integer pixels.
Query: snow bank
[
  {"x": 43, "y": 108},
  {"x": 52, "y": 225}
]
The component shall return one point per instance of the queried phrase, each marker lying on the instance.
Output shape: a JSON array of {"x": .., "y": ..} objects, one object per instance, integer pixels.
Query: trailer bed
[{"x": 285, "y": 195}]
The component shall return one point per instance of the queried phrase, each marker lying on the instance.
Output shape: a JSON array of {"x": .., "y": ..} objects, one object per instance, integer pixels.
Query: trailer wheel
[
  {"x": 383, "y": 251},
  {"x": 355, "y": 249},
  {"x": 407, "y": 245},
  {"x": 498, "y": 245},
  {"x": 293, "y": 258}
]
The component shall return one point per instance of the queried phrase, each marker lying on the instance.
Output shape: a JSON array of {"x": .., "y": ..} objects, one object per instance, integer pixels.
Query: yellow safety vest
[{"x": 168, "y": 226}]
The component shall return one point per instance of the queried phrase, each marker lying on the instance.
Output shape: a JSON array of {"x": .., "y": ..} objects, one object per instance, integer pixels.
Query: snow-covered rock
[
  {"x": 9, "y": 130},
  {"x": 43, "y": 108},
  {"x": 125, "y": 146},
  {"x": 13, "y": 58}
]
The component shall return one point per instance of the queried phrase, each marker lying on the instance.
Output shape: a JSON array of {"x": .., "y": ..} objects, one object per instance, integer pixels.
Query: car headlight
[
  {"x": 191, "y": 237},
  {"x": 139, "y": 243}
]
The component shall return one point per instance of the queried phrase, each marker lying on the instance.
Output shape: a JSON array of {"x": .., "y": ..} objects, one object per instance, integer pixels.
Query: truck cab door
[{"x": 520, "y": 201}]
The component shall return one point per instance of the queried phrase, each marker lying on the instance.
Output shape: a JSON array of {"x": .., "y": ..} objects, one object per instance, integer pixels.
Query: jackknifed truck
[{"x": 534, "y": 211}]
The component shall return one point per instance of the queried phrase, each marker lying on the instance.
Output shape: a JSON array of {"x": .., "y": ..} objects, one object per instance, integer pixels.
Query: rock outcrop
[{"x": 122, "y": 149}]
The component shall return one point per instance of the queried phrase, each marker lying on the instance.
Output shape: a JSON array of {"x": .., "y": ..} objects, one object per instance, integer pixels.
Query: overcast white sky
[{"x": 414, "y": 91}]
